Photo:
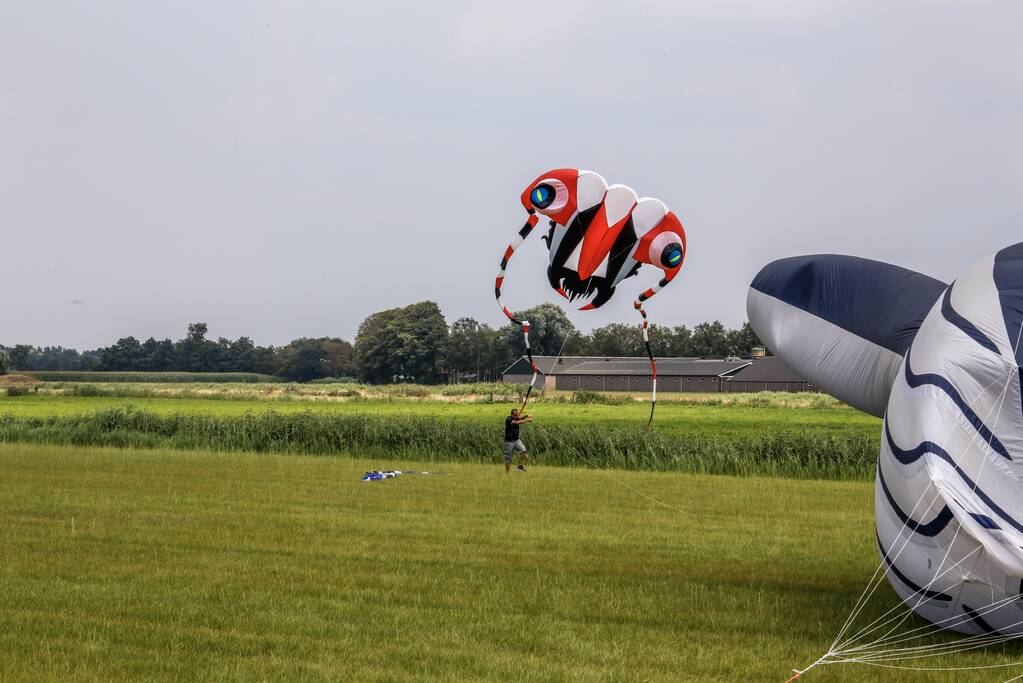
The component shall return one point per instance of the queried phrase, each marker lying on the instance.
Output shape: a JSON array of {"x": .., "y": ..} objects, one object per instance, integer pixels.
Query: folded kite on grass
[{"x": 377, "y": 475}]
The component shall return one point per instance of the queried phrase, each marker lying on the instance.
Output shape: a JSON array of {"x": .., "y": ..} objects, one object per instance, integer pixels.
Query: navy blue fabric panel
[
  {"x": 879, "y": 302},
  {"x": 985, "y": 521},
  {"x": 1008, "y": 275}
]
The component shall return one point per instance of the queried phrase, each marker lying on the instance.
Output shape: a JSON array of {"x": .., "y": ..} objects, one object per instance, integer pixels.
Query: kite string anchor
[{"x": 796, "y": 673}]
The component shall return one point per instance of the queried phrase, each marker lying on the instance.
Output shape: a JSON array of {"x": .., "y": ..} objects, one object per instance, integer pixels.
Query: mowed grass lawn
[
  {"x": 130, "y": 565},
  {"x": 690, "y": 419}
]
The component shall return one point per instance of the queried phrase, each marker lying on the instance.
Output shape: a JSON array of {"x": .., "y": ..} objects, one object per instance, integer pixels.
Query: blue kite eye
[
  {"x": 542, "y": 196},
  {"x": 671, "y": 256}
]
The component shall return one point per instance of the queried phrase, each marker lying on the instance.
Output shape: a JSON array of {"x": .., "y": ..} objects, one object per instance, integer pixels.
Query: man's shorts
[{"x": 510, "y": 447}]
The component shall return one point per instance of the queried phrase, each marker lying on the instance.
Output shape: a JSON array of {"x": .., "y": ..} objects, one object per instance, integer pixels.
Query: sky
[{"x": 281, "y": 170}]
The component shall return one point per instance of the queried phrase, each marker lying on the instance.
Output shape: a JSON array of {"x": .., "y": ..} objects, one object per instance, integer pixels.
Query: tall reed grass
[{"x": 796, "y": 454}]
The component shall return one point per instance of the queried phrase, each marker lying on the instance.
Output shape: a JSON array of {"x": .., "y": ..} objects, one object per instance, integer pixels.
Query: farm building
[
  {"x": 597, "y": 373},
  {"x": 766, "y": 374}
]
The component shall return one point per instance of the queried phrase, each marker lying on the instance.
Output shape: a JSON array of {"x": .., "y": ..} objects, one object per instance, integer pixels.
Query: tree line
[{"x": 412, "y": 343}]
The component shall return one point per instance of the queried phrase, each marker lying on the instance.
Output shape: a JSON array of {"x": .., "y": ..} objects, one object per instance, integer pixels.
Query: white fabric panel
[
  {"x": 975, "y": 297},
  {"x": 647, "y": 214},
  {"x": 572, "y": 262},
  {"x": 618, "y": 201},
  {"x": 844, "y": 365},
  {"x": 589, "y": 190}
]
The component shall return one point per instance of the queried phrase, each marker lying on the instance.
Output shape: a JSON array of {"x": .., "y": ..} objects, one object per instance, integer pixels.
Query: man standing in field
[{"x": 512, "y": 442}]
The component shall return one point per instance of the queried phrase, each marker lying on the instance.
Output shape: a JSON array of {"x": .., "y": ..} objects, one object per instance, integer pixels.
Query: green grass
[{"x": 121, "y": 565}]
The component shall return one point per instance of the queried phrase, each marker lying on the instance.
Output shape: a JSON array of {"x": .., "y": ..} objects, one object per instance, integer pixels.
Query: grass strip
[{"x": 803, "y": 454}]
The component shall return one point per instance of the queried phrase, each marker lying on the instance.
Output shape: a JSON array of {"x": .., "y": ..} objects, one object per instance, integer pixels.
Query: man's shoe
[{"x": 521, "y": 468}]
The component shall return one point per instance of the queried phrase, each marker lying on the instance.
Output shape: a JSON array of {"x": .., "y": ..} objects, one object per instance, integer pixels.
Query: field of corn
[
  {"x": 790, "y": 435},
  {"x": 150, "y": 377}
]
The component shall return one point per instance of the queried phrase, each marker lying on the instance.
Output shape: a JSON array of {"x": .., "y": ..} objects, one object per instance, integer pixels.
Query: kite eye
[
  {"x": 542, "y": 196},
  {"x": 548, "y": 196},
  {"x": 667, "y": 250},
  {"x": 672, "y": 255}
]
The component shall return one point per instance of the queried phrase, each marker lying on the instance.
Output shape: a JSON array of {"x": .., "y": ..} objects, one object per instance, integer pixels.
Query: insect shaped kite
[{"x": 599, "y": 235}]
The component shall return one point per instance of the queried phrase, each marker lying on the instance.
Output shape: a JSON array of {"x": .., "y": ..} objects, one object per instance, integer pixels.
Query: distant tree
[
  {"x": 264, "y": 360},
  {"x": 126, "y": 354},
  {"x": 742, "y": 340},
  {"x": 20, "y": 357},
  {"x": 89, "y": 360},
  {"x": 498, "y": 356},
  {"x": 710, "y": 339},
  {"x": 339, "y": 357},
  {"x": 157, "y": 356},
  {"x": 470, "y": 347},
  {"x": 302, "y": 360},
  {"x": 423, "y": 340},
  {"x": 408, "y": 342},
  {"x": 307, "y": 359},
  {"x": 376, "y": 337},
  {"x": 4, "y": 360},
  {"x": 60, "y": 358},
  {"x": 617, "y": 339},
  {"x": 548, "y": 329},
  {"x": 681, "y": 344},
  {"x": 194, "y": 353},
  {"x": 662, "y": 340},
  {"x": 239, "y": 355}
]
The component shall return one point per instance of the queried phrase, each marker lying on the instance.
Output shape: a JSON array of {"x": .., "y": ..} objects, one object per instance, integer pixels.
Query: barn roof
[
  {"x": 770, "y": 369},
  {"x": 599, "y": 365}
]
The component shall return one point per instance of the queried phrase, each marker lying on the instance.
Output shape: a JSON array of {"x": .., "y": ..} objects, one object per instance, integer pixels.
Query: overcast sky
[{"x": 284, "y": 169}]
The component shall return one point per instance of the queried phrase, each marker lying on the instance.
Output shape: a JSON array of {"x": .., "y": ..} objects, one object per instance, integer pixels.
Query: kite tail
[
  {"x": 646, "y": 342},
  {"x": 523, "y": 234},
  {"x": 536, "y": 370}
]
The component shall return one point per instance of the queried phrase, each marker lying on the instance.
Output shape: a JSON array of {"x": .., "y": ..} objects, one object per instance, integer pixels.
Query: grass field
[{"x": 129, "y": 565}]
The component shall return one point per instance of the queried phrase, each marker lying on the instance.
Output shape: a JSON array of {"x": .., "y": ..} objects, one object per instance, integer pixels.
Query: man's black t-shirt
[{"x": 511, "y": 430}]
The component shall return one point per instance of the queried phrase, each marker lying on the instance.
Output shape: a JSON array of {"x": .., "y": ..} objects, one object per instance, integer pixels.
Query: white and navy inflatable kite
[{"x": 941, "y": 364}]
